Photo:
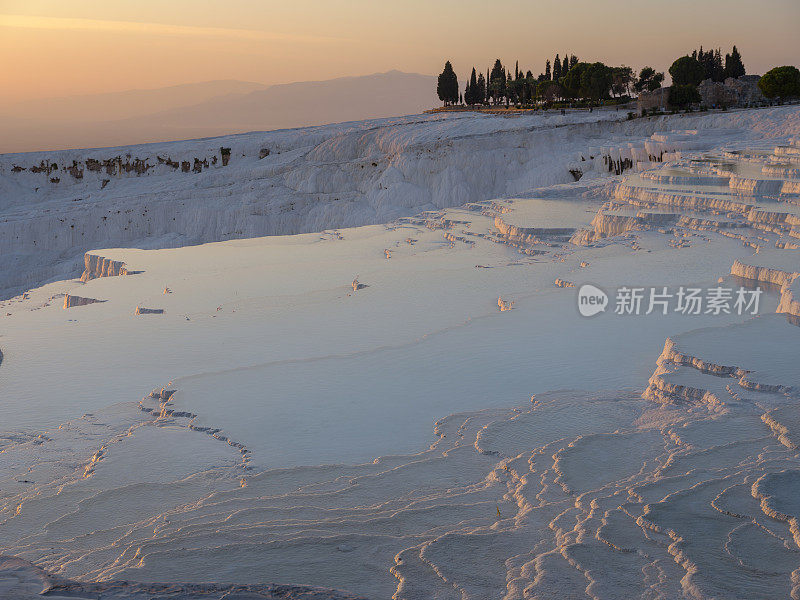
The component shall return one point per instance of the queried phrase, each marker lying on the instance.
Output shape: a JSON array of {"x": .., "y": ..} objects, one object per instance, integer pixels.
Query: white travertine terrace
[
  {"x": 55, "y": 206},
  {"x": 289, "y": 438}
]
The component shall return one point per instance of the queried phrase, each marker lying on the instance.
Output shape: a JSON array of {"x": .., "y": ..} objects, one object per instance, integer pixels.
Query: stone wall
[
  {"x": 655, "y": 99},
  {"x": 732, "y": 92}
]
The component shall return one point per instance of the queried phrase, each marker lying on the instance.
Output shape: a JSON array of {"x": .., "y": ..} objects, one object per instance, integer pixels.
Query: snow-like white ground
[
  {"x": 291, "y": 439},
  {"x": 54, "y": 206}
]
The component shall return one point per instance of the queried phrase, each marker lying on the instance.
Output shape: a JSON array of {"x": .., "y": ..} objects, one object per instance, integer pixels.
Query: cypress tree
[
  {"x": 532, "y": 83},
  {"x": 497, "y": 81},
  {"x": 712, "y": 63},
  {"x": 547, "y": 70},
  {"x": 557, "y": 68},
  {"x": 708, "y": 62},
  {"x": 734, "y": 67},
  {"x": 447, "y": 85},
  {"x": 564, "y": 66},
  {"x": 719, "y": 69},
  {"x": 573, "y": 60},
  {"x": 471, "y": 95},
  {"x": 524, "y": 90},
  {"x": 480, "y": 92}
]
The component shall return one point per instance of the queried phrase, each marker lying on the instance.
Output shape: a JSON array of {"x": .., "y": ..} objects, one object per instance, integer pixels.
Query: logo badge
[{"x": 591, "y": 300}]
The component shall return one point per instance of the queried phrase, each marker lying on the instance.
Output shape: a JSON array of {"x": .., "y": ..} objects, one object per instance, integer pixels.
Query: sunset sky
[{"x": 54, "y": 48}]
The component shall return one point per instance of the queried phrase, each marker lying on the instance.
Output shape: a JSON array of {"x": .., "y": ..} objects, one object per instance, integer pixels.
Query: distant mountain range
[{"x": 206, "y": 109}]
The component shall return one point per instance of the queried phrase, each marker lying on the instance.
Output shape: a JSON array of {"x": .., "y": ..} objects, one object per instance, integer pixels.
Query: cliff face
[{"x": 55, "y": 206}]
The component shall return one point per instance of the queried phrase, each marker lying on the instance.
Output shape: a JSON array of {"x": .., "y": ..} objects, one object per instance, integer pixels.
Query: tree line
[
  {"x": 690, "y": 71},
  {"x": 569, "y": 79},
  {"x": 564, "y": 78}
]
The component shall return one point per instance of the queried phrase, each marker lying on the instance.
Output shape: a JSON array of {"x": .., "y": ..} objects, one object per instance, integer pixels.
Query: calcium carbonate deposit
[{"x": 396, "y": 396}]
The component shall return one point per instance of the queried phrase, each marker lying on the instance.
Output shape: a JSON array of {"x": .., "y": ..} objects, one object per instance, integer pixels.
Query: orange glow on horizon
[{"x": 54, "y": 49}]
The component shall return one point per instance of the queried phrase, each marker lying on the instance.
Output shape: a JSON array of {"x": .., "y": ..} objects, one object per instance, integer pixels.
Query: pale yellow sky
[{"x": 54, "y": 48}]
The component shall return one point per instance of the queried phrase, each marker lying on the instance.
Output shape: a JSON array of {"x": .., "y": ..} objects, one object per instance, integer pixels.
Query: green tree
[
  {"x": 564, "y": 66},
  {"x": 711, "y": 62},
  {"x": 532, "y": 84},
  {"x": 497, "y": 82},
  {"x": 511, "y": 90},
  {"x": 687, "y": 71},
  {"x": 717, "y": 67},
  {"x": 480, "y": 92},
  {"x": 588, "y": 80},
  {"x": 471, "y": 92},
  {"x": 571, "y": 82},
  {"x": 557, "y": 68},
  {"x": 648, "y": 80},
  {"x": 549, "y": 90},
  {"x": 447, "y": 85},
  {"x": 683, "y": 95},
  {"x": 734, "y": 67},
  {"x": 621, "y": 80},
  {"x": 597, "y": 81},
  {"x": 547, "y": 74},
  {"x": 780, "y": 82}
]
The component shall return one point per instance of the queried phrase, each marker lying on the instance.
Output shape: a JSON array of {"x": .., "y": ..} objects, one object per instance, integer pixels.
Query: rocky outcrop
[
  {"x": 659, "y": 176},
  {"x": 504, "y": 305},
  {"x": 781, "y": 170},
  {"x": 790, "y": 299},
  {"x": 669, "y": 384},
  {"x": 684, "y": 200},
  {"x": 609, "y": 225},
  {"x": 742, "y": 91},
  {"x": 70, "y": 301},
  {"x": 526, "y": 234},
  {"x": 755, "y": 186},
  {"x": 99, "y": 266},
  {"x": 788, "y": 281},
  {"x": 758, "y": 273}
]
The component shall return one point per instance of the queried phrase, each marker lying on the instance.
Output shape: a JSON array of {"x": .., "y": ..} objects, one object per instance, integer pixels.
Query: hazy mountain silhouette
[
  {"x": 208, "y": 109},
  {"x": 120, "y": 105}
]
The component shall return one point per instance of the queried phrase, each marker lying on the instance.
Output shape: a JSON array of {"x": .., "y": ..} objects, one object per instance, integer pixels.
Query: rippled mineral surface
[{"x": 417, "y": 409}]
